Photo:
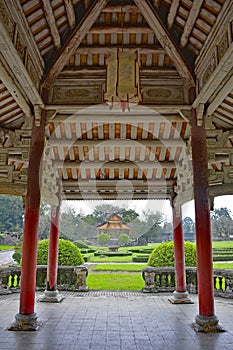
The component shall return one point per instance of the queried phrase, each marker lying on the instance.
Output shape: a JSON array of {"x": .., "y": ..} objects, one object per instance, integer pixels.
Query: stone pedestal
[
  {"x": 25, "y": 323},
  {"x": 207, "y": 324},
  {"x": 51, "y": 297},
  {"x": 180, "y": 298}
]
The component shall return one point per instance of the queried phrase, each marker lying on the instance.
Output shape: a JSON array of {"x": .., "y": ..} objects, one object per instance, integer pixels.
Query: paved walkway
[{"x": 115, "y": 321}]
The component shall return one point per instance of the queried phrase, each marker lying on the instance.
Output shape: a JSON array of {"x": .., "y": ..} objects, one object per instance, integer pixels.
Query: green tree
[
  {"x": 153, "y": 225},
  {"x": 12, "y": 213},
  {"x": 103, "y": 238},
  {"x": 188, "y": 225},
  {"x": 222, "y": 223},
  {"x": 124, "y": 238}
]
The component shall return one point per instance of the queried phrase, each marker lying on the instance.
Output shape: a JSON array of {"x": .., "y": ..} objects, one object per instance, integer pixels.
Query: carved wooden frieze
[
  {"x": 163, "y": 94},
  {"x": 222, "y": 46},
  {"x": 6, "y": 19},
  {"x": 71, "y": 95},
  {"x": 209, "y": 70}
]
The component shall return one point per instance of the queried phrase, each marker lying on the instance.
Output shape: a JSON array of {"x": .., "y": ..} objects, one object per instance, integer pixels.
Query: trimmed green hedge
[
  {"x": 140, "y": 259},
  {"x": 101, "y": 253},
  {"x": 68, "y": 255}
]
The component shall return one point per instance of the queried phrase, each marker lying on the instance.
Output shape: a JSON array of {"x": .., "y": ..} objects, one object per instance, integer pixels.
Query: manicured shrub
[
  {"x": 68, "y": 254},
  {"x": 17, "y": 256},
  {"x": 124, "y": 238},
  {"x": 103, "y": 238},
  {"x": 163, "y": 255}
]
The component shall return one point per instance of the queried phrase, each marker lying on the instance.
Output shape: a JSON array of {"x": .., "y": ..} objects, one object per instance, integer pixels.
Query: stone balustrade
[
  {"x": 163, "y": 280},
  {"x": 72, "y": 278}
]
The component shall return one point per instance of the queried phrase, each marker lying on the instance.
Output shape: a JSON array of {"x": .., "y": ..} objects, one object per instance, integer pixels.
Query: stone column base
[
  {"x": 25, "y": 323},
  {"x": 180, "y": 298},
  {"x": 51, "y": 297},
  {"x": 207, "y": 324}
]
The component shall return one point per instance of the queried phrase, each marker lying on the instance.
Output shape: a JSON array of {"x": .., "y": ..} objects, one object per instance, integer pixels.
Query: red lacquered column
[
  {"x": 179, "y": 251},
  {"x": 53, "y": 249},
  {"x": 27, "y": 318},
  {"x": 180, "y": 295},
  {"x": 206, "y": 321}
]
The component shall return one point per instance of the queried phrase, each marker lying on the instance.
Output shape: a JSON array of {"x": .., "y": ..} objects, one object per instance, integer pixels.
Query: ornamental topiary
[
  {"x": 163, "y": 255},
  {"x": 68, "y": 254}
]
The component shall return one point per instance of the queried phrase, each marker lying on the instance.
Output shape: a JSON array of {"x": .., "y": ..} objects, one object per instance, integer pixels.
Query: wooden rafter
[
  {"x": 220, "y": 97},
  {"x": 70, "y": 13},
  {"x": 16, "y": 68},
  {"x": 193, "y": 14},
  {"x": 172, "y": 12},
  {"x": 73, "y": 42},
  {"x": 14, "y": 90},
  {"x": 216, "y": 79},
  {"x": 153, "y": 19},
  {"x": 48, "y": 11}
]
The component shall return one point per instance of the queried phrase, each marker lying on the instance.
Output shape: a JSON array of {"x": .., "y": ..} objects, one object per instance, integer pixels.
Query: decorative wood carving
[
  {"x": 82, "y": 94},
  {"x": 153, "y": 94}
]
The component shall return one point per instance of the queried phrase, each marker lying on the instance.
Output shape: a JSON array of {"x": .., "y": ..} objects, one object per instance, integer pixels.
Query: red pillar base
[
  {"x": 205, "y": 324},
  {"x": 25, "y": 323},
  {"x": 50, "y": 296},
  {"x": 180, "y": 298}
]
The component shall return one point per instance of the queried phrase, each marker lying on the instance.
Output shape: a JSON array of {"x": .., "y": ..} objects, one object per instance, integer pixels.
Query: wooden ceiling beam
[
  {"x": 73, "y": 42},
  {"x": 112, "y": 165},
  {"x": 118, "y": 143},
  {"x": 193, "y": 14},
  {"x": 128, "y": 29},
  {"x": 143, "y": 49},
  {"x": 154, "y": 21},
  {"x": 48, "y": 11},
  {"x": 172, "y": 12},
  {"x": 69, "y": 184},
  {"x": 70, "y": 13},
  {"x": 119, "y": 8}
]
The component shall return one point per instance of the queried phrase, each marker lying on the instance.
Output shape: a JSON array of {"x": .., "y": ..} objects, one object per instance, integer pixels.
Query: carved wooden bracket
[
  {"x": 38, "y": 114},
  {"x": 200, "y": 114}
]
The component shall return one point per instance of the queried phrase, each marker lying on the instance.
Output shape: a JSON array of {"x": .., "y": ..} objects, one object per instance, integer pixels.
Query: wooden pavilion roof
[{"x": 53, "y": 57}]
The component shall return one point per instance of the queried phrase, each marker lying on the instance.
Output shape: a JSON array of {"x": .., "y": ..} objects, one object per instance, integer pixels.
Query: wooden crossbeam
[
  {"x": 154, "y": 21},
  {"x": 112, "y": 165},
  {"x": 73, "y": 42}
]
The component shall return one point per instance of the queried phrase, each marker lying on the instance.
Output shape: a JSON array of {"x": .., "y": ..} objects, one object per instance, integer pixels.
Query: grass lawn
[
  {"x": 118, "y": 281},
  {"x": 223, "y": 265},
  {"x": 222, "y": 244},
  {"x": 6, "y": 247},
  {"x": 119, "y": 267}
]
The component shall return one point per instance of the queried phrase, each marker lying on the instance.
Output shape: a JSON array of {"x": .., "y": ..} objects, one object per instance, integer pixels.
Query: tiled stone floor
[{"x": 115, "y": 321}]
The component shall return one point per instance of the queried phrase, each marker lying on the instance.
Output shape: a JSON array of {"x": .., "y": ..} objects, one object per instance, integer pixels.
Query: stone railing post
[
  {"x": 148, "y": 274},
  {"x": 81, "y": 273}
]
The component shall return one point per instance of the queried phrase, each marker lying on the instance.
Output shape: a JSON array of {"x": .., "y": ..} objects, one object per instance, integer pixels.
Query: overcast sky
[{"x": 87, "y": 206}]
